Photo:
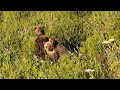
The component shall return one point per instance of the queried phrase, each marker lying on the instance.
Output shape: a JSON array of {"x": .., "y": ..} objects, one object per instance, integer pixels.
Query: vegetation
[{"x": 84, "y": 33}]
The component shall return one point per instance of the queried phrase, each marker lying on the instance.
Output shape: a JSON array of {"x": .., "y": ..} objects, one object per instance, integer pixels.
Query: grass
[{"x": 83, "y": 33}]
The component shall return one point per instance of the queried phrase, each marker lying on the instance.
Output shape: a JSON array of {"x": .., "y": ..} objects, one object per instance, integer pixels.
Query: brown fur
[
  {"x": 51, "y": 52},
  {"x": 39, "y": 30},
  {"x": 39, "y": 42},
  {"x": 58, "y": 46}
]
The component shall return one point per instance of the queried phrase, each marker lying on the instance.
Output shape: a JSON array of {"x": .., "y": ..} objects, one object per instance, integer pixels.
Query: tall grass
[{"x": 83, "y": 33}]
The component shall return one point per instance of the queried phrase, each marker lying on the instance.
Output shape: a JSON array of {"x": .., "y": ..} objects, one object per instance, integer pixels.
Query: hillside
[{"x": 93, "y": 37}]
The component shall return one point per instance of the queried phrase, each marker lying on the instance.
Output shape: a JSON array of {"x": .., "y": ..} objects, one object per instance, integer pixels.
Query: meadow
[{"x": 92, "y": 37}]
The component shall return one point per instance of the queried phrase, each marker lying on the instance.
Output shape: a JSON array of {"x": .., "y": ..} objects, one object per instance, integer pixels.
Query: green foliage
[{"x": 83, "y": 33}]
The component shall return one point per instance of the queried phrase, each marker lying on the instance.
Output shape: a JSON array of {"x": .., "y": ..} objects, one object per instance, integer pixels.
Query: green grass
[{"x": 81, "y": 30}]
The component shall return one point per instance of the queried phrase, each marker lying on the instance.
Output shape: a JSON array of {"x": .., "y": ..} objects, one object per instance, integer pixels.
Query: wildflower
[
  {"x": 80, "y": 55},
  {"x": 37, "y": 58},
  {"x": 111, "y": 40},
  {"x": 7, "y": 51},
  {"x": 89, "y": 70},
  {"x": 23, "y": 32},
  {"x": 72, "y": 57},
  {"x": 106, "y": 42}
]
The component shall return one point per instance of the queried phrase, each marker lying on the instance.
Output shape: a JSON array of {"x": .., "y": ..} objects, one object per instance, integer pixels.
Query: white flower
[
  {"x": 105, "y": 42},
  {"x": 7, "y": 51},
  {"x": 111, "y": 40},
  {"x": 89, "y": 70}
]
